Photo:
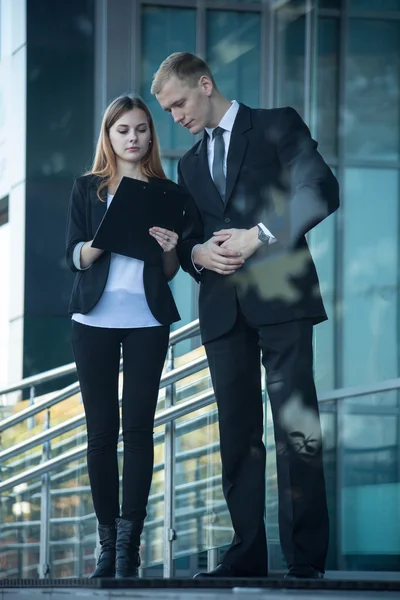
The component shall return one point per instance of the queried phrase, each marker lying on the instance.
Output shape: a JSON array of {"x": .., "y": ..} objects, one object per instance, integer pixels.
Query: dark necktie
[{"x": 218, "y": 162}]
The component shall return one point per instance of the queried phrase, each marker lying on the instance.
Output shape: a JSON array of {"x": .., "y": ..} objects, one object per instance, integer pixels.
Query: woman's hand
[{"x": 167, "y": 239}]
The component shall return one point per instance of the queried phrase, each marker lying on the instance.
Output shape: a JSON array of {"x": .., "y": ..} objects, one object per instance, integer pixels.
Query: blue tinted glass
[
  {"x": 164, "y": 31},
  {"x": 183, "y": 286},
  {"x": 326, "y": 117},
  {"x": 322, "y": 246},
  {"x": 233, "y": 53},
  {"x": 370, "y": 279},
  {"x": 374, "y": 5},
  {"x": 330, "y": 4},
  {"x": 372, "y": 116},
  {"x": 170, "y": 168},
  {"x": 5, "y": 354},
  {"x": 369, "y": 497},
  {"x": 289, "y": 57}
]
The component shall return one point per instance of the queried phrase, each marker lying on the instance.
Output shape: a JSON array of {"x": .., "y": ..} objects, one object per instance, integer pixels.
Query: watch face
[{"x": 262, "y": 236}]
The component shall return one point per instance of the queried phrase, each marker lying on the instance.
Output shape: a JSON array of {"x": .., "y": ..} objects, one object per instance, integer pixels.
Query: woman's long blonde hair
[{"x": 105, "y": 163}]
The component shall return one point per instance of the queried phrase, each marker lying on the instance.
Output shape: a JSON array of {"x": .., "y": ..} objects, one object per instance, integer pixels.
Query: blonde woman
[{"x": 119, "y": 302}]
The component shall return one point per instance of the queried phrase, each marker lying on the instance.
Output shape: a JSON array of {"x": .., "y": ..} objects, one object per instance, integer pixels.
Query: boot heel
[{"x": 127, "y": 559}]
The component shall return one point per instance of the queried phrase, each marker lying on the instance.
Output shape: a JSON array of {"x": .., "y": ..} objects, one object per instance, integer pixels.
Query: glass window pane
[
  {"x": 374, "y": 5},
  {"x": 183, "y": 287},
  {"x": 239, "y": 2},
  {"x": 5, "y": 274},
  {"x": 233, "y": 54},
  {"x": 372, "y": 125},
  {"x": 370, "y": 493},
  {"x": 327, "y": 86},
  {"x": 289, "y": 56},
  {"x": 370, "y": 296},
  {"x": 165, "y": 30},
  {"x": 170, "y": 167},
  {"x": 330, "y": 4},
  {"x": 322, "y": 247},
  {"x": 329, "y": 446}
]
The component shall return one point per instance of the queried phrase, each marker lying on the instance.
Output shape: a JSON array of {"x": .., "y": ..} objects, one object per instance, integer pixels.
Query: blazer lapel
[
  {"x": 203, "y": 181},
  {"x": 98, "y": 207},
  {"x": 237, "y": 148}
]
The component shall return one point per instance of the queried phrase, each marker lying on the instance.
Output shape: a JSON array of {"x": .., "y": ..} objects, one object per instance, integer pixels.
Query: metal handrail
[
  {"x": 39, "y": 379},
  {"x": 40, "y": 438},
  {"x": 57, "y": 430},
  {"x": 181, "y": 490},
  {"x": 167, "y": 379},
  {"x": 39, "y": 406},
  {"x": 165, "y": 416},
  {"x": 184, "y": 408},
  {"x": 183, "y": 333},
  {"x": 388, "y": 385},
  {"x": 181, "y": 429}
]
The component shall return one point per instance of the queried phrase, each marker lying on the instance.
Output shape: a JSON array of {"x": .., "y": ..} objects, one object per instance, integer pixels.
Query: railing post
[
  {"x": 31, "y": 420},
  {"x": 79, "y": 562},
  {"x": 44, "y": 559},
  {"x": 169, "y": 476},
  {"x": 212, "y": 559},
  {"x": 212, "y": 551}
]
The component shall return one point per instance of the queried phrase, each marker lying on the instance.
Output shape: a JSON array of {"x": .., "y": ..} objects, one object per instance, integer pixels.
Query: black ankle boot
[
  {"x": 106, "y": 561},
  {"x": 127, "y": 561}
]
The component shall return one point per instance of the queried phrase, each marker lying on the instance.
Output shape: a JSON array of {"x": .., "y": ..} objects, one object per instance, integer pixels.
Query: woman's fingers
[{"x": 166, "y": 239}]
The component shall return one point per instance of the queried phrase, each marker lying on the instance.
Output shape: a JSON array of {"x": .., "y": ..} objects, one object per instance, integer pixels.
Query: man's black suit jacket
[
  {"x": 276, "y": 176},
  {"x": 84, "y": 217}
]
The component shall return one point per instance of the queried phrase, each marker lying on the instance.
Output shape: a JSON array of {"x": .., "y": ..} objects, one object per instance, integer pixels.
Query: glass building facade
[{"x": 337, "y": 62}]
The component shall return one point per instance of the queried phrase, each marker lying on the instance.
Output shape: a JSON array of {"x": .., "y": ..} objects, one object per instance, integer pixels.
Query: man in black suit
[{"x": 257, "y": 186}]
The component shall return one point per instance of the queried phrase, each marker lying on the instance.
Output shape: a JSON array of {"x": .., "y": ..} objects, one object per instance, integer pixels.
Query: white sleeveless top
[{"x": 123, "y": 303}]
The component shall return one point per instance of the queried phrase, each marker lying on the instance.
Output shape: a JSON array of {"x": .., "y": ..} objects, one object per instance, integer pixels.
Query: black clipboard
[{"x": 136, "y": 207}]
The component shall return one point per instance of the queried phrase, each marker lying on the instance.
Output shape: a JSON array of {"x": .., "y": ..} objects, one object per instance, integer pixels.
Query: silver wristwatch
[{"x": 262, "y": 236}]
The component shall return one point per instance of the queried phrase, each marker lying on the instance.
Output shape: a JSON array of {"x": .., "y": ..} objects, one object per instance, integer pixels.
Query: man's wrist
[
  {"x": 255, "y": 242},
  {"x": 196, "y": 257}
]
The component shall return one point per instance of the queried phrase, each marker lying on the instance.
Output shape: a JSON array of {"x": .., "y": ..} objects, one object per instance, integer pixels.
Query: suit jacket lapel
[
  {"x": 97, "y": 207},
  {"x": 237, "y": 148}
]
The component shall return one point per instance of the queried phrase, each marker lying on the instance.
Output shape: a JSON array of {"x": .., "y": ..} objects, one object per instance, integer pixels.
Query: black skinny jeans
[{"x": 97, "y": 355}]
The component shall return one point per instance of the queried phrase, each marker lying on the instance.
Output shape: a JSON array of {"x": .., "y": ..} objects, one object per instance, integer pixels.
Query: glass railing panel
[
  {"x": 20, "y": 532},
  {"x": 33, "y": 456},
  {"x": 329, "y": 440},
  {"x": 195, "y": 384},
  {"x": 201, "y": 517},
  {"x": 72, "y": 535},
  {"x": 151, "y": 550},
  {"x": 31, "y": 426},
  {"x": 369, "y": 475},
  {"x": 275, "y": 558},
  {"x": 191, "y": 385}
]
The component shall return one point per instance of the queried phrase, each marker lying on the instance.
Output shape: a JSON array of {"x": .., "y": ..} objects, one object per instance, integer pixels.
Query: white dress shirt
[
  {"x": 226, "y": 123},
  {"x": 123, "y": 304}
]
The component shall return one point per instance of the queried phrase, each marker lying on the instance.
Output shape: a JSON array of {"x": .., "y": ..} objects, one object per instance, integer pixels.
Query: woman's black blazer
[{"x": 84, "y": 216}]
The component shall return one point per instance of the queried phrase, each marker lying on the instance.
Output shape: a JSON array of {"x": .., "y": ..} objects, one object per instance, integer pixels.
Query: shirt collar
[{"x": 227, "y": 120}]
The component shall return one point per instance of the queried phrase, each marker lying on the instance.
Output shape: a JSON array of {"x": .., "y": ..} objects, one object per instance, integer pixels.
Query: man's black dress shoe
[
  {"x": 303, "y": 572},
  {"x": 223, "y": 571}
]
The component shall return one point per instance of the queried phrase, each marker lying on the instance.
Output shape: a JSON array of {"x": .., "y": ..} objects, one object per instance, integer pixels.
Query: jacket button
[{"x": 227, "y": 220}]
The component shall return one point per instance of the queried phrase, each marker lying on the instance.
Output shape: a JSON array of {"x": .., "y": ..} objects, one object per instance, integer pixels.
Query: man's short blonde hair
[{"x": 183, "y": 65}]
